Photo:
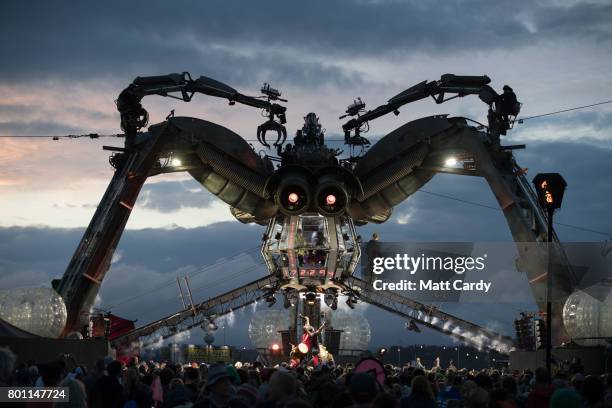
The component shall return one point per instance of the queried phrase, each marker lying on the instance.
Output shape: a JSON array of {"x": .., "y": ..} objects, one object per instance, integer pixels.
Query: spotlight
[
  {"x": 209, "y": 325},
  {"x": 351, "y": 301},
  {"x": 270, "y": 299},
  {"x": 331, "y": 299},
  {"x": 275, "y": 349},
  {"x": 293, "y": 194},
  {"x": 286, "y": 302},
  {"x": 311, "y": 297},
  {"x": 450, "y": 162},
  {"x": 412, "y": 326},
  {"x": 176, "y": 162},
  {"x": 290, "y": 298},
  {"x": 331, "y": 196}
]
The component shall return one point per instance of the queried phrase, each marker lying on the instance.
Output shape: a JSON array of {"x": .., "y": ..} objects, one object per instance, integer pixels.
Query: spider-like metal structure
[{"x": 310, "y": 197}]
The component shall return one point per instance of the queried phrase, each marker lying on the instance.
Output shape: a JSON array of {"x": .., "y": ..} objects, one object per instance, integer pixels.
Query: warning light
[
  {"x": 293, "y": 198},
  {"x": 330, "y": 199},
  {"x": 549, "y": 197},
  {"x": 550, "y": 188}
]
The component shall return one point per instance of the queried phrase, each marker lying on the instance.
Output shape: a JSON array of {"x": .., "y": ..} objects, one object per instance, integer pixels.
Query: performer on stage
[
  {"x": 419, "y": 364},
  {"x": 309, "y": 344},
  {"x": 436, "y": 366}
]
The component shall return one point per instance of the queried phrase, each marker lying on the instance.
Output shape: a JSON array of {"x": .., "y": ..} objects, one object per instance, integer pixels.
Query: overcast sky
[{"x": 63, "y": 65}]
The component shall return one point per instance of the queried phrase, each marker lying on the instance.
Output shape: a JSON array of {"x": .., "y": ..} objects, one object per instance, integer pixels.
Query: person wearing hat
[{"x": 219, "y": 389}]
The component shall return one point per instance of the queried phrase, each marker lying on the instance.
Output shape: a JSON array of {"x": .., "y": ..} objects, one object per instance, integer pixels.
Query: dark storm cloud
[
  {"x": 234, "y": 40},
  {"x": 169, "y": 196},
  {"x": 591, "y": 21}
]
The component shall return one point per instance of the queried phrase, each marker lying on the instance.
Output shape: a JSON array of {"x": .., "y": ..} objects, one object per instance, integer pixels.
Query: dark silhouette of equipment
[
  {"x": 550, "y": 188},
  {"x": 524, "y": 329},
  {"x": 539, "y": 331}
]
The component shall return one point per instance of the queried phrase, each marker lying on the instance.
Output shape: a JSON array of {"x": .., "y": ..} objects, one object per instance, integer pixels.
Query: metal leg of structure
[
  {"x": 431, "y": 317},
  {"x": 91, "y": 260}
]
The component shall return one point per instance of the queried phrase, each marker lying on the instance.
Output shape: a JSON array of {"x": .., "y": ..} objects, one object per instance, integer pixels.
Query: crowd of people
[{"x": 112, "y": 384}]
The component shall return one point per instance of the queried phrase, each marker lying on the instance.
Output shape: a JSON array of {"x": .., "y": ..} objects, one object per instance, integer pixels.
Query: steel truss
[
  {"x": 201, "y": 313},
  {"x": 429, "y": 316}
]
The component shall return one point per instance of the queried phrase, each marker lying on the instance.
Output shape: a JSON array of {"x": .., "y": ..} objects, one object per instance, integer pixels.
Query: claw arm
[
  {"x": 134, "y": 116},
  {"x": 448, "y": 84}
]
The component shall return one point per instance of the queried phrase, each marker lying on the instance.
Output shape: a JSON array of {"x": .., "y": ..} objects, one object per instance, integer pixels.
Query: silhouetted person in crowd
[
  {"x": 219, "y": 390},
  {"x": 7, "y": 364},
  {"x": 108, "y": 391},
  {"x": 593, "y": 391},
  {"x": 421, "y": 394},
  {"x": 192, "y": 382},
  {"x": 542, "y": 391},
  {"x": 363, "y": 388},
  {"x": 134, "y": 390},
  {"x": 283, "y": 388},
  {"x": 94, "y": 375}
]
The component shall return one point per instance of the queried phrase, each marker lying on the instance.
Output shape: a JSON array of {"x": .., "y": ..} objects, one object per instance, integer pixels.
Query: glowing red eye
[
  {"x": 330, "y": 199},
  {"x": 293, "y": 198}
]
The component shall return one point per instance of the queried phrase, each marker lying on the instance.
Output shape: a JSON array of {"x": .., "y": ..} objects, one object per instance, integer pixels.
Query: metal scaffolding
[
  {"x": 201, "y": 313},
  {"x": 429, "y": 316}
]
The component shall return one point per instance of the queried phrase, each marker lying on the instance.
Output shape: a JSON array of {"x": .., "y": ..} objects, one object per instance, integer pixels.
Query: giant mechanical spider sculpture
[{"x": 309, "y": 196}]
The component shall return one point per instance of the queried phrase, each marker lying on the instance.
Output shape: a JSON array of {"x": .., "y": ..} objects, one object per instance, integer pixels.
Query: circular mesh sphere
[
  {"x": 39, "y": 311},
  {"x": 264, "y": 327},
  {"x": 586, "y": 316}
]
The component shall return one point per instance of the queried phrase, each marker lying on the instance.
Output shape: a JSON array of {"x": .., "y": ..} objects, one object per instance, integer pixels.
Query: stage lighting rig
[
  {"x": 270, "y": 299},
  {"x": 331, "y": 299},
  {"x": 311, "y": 298},
  {"x": 412, "y": 326}
]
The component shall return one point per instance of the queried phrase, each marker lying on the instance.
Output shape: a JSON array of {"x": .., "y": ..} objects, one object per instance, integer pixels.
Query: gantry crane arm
[
  {"x": 134, "y": 116},
  {"x": 501, "y": 106}
]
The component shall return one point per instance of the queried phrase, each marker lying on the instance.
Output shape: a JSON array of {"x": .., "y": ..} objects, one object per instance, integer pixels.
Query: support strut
[
  {"x": 429, "y": 316},
  {"x": 92, "y": 258}
]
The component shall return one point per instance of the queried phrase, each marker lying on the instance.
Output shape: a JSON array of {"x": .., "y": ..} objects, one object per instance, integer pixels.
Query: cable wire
[
  {"x": 520, "y": 120},
  {"x": 490, "y": 207},
  {"x": 96, "y": 135}
]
